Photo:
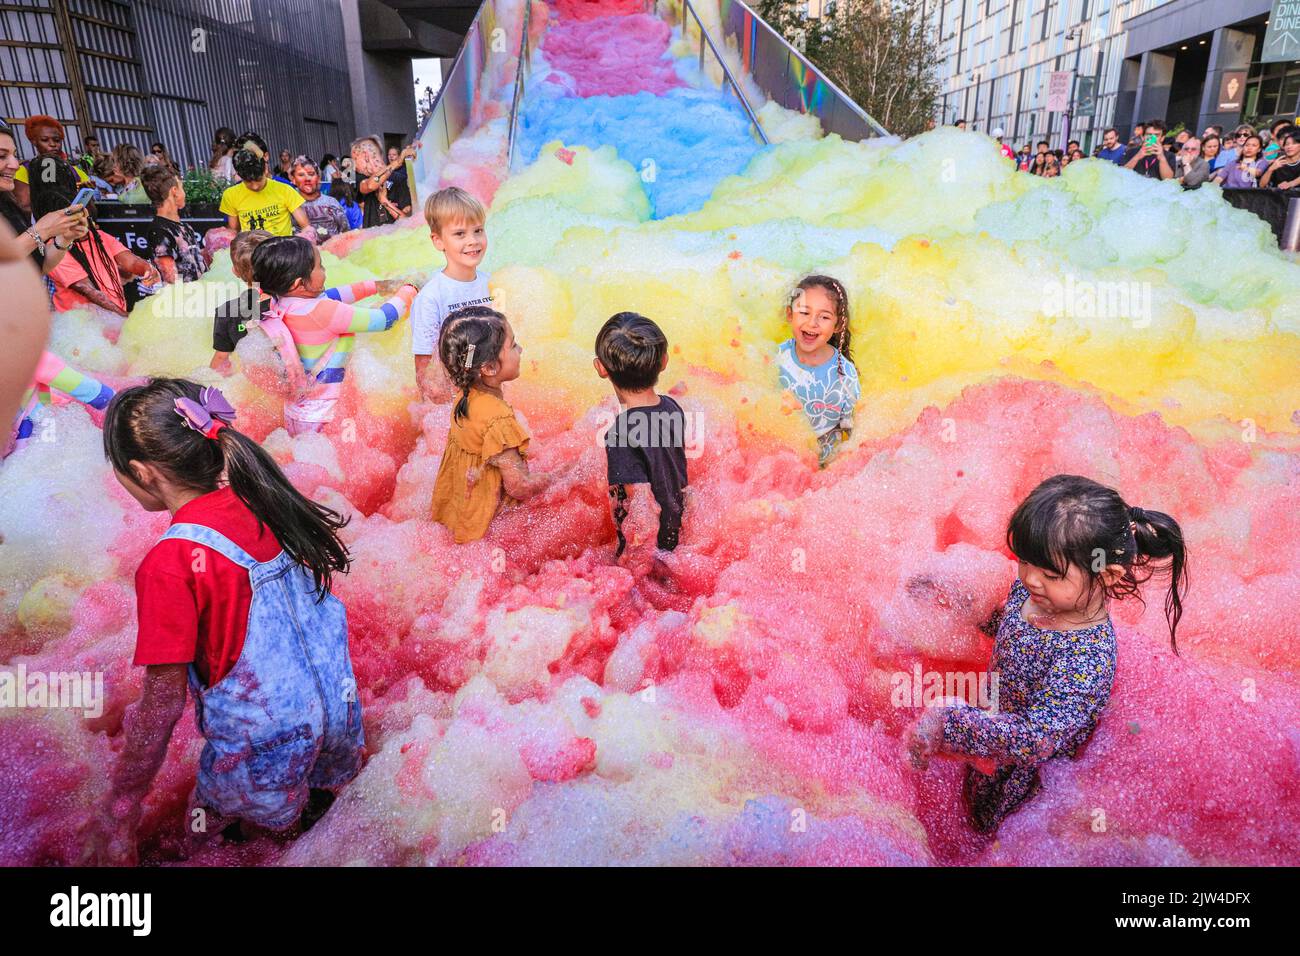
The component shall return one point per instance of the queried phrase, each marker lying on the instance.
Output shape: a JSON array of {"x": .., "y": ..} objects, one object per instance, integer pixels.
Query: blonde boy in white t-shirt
[{"x": 458, "y": 227}]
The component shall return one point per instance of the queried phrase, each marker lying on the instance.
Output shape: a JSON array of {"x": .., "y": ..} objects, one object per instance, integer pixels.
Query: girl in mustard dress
[{"x": 484, "y": 466}]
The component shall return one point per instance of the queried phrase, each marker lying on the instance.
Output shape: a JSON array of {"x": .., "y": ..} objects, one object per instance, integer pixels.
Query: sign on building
[
  {"x": 1058, "y": 89},
  {"x": 1282, "y": 40},
  {"x": 1232, "y": 91}
]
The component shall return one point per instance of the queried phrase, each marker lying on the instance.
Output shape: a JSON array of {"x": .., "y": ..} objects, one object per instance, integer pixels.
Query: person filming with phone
[
  {"x": 47, "y": 239},
  {"x": 1150, "y": 158}
]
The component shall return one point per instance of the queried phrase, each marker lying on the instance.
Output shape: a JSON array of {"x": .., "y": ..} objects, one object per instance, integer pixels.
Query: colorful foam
[{"x": 528, "y": 699}]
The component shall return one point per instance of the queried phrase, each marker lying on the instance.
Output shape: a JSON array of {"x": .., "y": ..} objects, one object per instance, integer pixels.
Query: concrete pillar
[
  {"x": 1125, "y": 117},
  {"x": 1155, "y": 77},
  {"x": 1229, "y": 50}
]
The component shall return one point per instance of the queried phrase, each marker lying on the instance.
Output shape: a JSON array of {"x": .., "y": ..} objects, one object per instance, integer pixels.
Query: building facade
[
  {"x": 306, "y": 75},
  {"x": 1146, "y": 59}
]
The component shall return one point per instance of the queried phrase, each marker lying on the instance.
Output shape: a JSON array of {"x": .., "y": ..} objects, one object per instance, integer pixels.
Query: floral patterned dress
[{"x": 1052, "y": 687}]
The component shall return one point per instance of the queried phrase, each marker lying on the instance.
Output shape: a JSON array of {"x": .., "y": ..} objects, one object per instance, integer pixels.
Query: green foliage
[
  {"x": 881, "y": 53},
  {"x": 201, "y": 186}
]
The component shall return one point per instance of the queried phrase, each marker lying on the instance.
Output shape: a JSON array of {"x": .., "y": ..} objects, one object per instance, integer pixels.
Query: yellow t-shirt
[
  {"x": 269, "y": 208},
  {"x": 488, "y": 430},
  {"x": 21, "y": 175}
]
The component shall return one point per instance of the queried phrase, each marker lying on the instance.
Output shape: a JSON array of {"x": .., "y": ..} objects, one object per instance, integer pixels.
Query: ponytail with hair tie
[{"x": 202, "y": 451}]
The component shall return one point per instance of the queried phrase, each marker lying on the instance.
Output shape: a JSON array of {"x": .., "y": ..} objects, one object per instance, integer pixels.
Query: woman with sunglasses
[
  {"x": 158, "y": 155},
  {"x": 1232, "y": 147}
]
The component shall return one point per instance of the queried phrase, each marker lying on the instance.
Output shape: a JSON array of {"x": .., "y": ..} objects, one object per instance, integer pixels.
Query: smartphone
[
  {"x": 1153, "y": 140},
  {"x": 84, "y": 195}
]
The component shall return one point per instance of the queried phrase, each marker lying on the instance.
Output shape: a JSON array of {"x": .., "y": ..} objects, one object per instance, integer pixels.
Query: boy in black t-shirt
[
  {"x": 646, "y": 444},
  {"x": 174, "y": 247},
  {"x": 230, "y": 323}
]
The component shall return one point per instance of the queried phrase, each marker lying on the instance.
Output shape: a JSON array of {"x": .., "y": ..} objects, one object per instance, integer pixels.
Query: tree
[{"x": 881, "y": 53}]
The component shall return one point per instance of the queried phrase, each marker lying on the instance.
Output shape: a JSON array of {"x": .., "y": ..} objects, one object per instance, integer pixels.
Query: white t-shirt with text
[{"x": 437, "y": 299}]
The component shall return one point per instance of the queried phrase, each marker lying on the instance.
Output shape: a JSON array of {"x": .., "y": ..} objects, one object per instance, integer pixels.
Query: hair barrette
[
  {"x": 208, "y": 415},
  {"x": 469, "y": 356}
]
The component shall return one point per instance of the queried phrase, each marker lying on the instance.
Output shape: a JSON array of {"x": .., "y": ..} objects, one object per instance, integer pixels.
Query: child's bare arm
[
  {"x": 111, "y": 839},
  {"x": 433, "y": 381},
  {"x": 519, "y": 483}
]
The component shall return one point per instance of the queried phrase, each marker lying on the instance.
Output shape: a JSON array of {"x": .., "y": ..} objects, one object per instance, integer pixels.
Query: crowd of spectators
[
  {"x": 282, "y": 194},
  {"x": 1245, "y": 158}
]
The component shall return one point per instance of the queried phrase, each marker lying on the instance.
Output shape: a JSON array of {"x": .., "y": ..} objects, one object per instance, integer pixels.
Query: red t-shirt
[{"x": 192, "y": 602}]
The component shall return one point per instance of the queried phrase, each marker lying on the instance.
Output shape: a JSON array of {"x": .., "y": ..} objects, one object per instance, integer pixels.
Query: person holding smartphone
[
  {"x": 1245, "y": 171},
  {"x": 46, "y": 240},
  {"x": 1150, "y": 158},
  {"x": 1284, "y": 171},
  {"x": 92, "y": 271}
]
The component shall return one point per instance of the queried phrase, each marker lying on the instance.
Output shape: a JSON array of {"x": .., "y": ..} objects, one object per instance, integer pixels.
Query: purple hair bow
[{"x": 209, "y": 414}]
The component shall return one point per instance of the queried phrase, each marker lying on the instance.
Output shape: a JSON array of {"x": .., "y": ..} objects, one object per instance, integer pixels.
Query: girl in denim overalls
[{"x": 282, "y": 724}]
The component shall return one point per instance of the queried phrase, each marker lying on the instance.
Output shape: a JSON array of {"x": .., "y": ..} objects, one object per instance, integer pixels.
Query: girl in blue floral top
[
  {"x": 1079, "y": 545},
  {"x": 818, "y": 373}
]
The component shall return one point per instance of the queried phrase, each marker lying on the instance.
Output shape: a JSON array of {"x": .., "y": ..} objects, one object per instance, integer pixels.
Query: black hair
[
  {"x": 1071, "y": 520},
  {"x": 632, "y": 349},
  {"x": 54, "y": 184},
  {"x": 142, "y": 424},
  {"x": 280, "y": 261},
  {"x": 342, "y": 190},
  {"x": 249, "y": 165},
  {"x": 470, "y": 338},
  {"x": 842, "y": 337}
]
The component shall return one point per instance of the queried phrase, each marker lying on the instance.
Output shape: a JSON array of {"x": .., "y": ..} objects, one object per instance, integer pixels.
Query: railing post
[{"x": 1291, "y": 231}]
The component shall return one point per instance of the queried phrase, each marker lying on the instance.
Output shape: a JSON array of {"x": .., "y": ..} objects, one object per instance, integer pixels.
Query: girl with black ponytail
[
  {"x": 1079, "y": 546},
  {"x": 92, "y": 271},
  {"x": 483, "y": 467},
  {"x": 234, "y": 601}
]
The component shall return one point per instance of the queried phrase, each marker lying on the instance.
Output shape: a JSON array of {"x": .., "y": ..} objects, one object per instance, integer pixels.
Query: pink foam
[{"x": 612, "y": 56}]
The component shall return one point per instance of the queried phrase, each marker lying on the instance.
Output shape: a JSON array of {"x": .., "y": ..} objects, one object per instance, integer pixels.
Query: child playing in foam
[
  {"x": 646, "y": 444},
  {"x": 231, "y": 320},
  {"x": 1079, "y": 545},
  {"x": 458, "y": 227},
  {"x": 821, "y": 375},
  {"x": 319, "y": 325},
  {"x": 54, "y": 375},
  {"x": 224, "y": 601},
  {"x": 483, "y": 466}
]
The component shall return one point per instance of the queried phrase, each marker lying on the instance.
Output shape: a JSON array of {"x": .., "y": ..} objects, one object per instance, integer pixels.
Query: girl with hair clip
[
  {"x": 1079, "y": 546},
  {"x": 234, "y": 601},
  {"x": 484, "y": 466},
  {"x": 816, "y": 364},
  {"x": 91, "y": 273},
  {"x": 315, "y": 328}
]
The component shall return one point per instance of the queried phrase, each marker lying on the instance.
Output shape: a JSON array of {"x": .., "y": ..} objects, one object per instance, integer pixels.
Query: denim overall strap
[{"x": 215, "y": 540}]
